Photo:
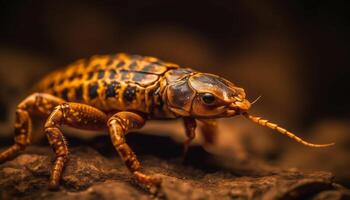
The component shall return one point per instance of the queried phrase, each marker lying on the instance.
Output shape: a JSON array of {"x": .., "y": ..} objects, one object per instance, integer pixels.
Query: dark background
[
  {"x": 293, "y": 53},
  {"x": 69, "y": 30}
]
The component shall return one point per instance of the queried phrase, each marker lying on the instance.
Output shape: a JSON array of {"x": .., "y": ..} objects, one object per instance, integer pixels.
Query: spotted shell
[{"x": 95, "y": 81}]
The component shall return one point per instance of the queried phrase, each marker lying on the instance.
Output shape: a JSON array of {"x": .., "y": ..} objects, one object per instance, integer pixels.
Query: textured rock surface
[{"x": 95, "y": 172}]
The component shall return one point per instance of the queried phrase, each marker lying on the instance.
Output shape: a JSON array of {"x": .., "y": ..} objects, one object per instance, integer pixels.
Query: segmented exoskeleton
[{"x": 118, "y": 93}]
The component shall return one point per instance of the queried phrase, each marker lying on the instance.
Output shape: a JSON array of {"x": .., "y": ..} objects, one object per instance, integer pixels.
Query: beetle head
[
  {"x": 204, "y": 95},
  {"x": 208, "y": 96}
]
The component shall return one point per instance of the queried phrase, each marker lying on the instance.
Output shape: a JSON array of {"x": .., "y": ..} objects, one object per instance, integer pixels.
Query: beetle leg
[
  {"x": 119, "y": 124},
  {"x": 37, "y": 103},
  {"x": 190, "y": 128},
  {"x": 75, "y": 115},
  {"x": 209, "y": 130}
]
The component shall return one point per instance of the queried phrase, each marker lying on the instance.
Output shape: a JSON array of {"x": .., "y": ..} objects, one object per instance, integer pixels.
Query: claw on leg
[
  {"x": 57, "y": 142},
  {"x": 118, "y": 125},
  {"x": 56, "y": 173},
  {"x": 147, "y": 179}
]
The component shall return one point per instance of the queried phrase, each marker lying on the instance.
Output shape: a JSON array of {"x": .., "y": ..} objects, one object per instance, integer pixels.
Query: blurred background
[{"x": 292, "y": 53}]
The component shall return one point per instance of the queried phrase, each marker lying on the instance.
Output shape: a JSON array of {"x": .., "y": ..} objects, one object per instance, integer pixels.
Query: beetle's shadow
[
  {"x": 162, "y": 147},
  {"x": 165, "y": 148}
]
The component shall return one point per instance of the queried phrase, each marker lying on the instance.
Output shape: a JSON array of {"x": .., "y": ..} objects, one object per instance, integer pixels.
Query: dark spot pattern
[
  {"x": 101, "y": 74},
  {"x": 112, "y": 73},
  {"x": 51, "y": 85},
  {"x": 111, "y": 89},
  {"x": 90, "y": 75},
  {"x": 92, "y": 91},
  {"x": 79, "y": 93},
  {"x": 72, "y": 77},
  {"x": 120, "y": 64},
  {"x": 129, "y": 93},
  {"x": 64, "y": 94},
  {"x": 54, "y": 93},
  {"x": 60, "y": 82}
]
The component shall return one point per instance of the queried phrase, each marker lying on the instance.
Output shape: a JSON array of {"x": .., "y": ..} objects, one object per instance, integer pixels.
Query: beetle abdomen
[{"x": 115, "y": 82}]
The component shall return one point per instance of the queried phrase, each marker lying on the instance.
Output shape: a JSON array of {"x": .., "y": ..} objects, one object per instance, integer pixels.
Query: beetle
[{"x": 119, "y": 93}]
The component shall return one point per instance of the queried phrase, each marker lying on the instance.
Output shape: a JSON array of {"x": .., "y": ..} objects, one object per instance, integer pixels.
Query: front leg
[
  {"x": 119, "y": 124},
  {"x": 190, "y": 128}
]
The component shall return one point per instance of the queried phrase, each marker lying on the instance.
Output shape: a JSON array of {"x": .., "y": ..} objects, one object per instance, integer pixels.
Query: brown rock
[{"x": 90, "y": 175}]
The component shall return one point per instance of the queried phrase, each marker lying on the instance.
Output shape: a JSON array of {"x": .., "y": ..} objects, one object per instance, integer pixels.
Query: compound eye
[{"x": 208, "y": 98}]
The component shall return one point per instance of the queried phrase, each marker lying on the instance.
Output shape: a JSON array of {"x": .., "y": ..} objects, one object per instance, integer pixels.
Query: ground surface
[{"x": 95, "y": 172}]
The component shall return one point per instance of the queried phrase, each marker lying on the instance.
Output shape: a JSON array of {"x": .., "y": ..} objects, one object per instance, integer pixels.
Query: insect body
[{"x": 121, "y": 92}]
